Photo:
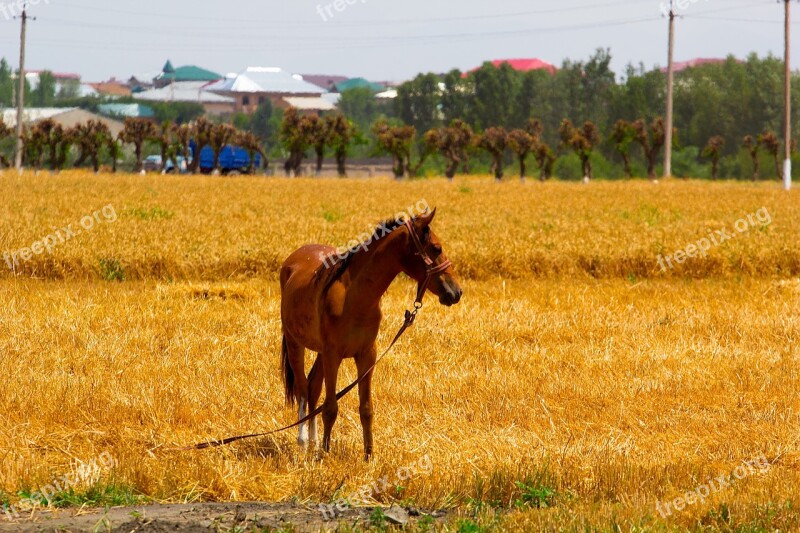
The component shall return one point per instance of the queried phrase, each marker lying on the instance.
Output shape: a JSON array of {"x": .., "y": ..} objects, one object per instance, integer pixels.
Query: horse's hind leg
[
  {"x": 365, "y": 362},
  {"x": 330, "y": 366},
  {"x": 315, "y": 380},
  {"x": 296, "y": 382}
]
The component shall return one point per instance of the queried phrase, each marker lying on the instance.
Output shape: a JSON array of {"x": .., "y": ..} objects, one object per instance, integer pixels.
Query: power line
[{"x": 371, "y": 22}]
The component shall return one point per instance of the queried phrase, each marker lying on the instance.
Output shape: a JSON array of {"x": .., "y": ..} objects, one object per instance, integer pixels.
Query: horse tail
[{"x": 288, "y": 373}]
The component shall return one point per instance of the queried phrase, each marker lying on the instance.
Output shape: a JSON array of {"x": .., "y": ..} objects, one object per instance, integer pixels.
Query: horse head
[{"x": 426, "y": 262}]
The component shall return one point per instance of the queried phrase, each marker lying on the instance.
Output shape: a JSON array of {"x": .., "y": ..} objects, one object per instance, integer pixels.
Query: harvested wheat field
[{"x": 624, "y": 358}]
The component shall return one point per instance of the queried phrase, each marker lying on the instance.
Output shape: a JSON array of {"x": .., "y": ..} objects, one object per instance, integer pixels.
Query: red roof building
[
  {"x": 700, "y": 61},
  {"x": 524, "y": 65}
]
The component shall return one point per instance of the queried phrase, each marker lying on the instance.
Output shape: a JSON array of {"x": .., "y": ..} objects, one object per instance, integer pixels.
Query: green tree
[
  {"x": 496, "y": 90},
  {"x": 361, "y": 107},
  {"x": 6, "y": 84},
  {"x": 417, "y": 102},
  {"x": 752, "y": 146},
  {"x": 45, "y": 93}
]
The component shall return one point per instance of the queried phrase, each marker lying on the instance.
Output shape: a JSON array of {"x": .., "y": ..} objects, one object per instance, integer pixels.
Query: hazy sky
[{"x": 377, "y": 39}]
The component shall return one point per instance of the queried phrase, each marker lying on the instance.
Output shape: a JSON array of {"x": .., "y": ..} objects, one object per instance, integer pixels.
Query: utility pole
[
  {"x": 670, "y": 87},
  {"x": 787, "y": 137},
  {"x": 21, "y": 90}
]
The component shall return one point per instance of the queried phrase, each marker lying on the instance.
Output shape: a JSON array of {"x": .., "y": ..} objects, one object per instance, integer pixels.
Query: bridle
[{"x": 431, "y": 270}]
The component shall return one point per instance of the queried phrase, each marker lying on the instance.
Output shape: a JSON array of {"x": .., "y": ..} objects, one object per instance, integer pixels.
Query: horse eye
[{"x": 437, "y": 249}]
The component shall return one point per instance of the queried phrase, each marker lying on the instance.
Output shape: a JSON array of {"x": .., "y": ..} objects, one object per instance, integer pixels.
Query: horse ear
[{"x": 426, "y": 218}]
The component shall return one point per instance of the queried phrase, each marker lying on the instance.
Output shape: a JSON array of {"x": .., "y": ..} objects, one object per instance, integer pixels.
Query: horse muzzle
[{"x": 451, "y": 294}]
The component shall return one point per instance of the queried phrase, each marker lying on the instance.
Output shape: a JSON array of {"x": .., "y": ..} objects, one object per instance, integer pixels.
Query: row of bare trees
[
  {"x": 50, "y": 142},
  {"x": 299, "y": 133},
  {"x": 175, "y": 140},
  {"x": 767, "y": 141},
  {"x": 456, "y": 141}
]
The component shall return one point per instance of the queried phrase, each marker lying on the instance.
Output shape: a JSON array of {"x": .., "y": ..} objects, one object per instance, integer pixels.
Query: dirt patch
[{"x": 203, "y": 517}]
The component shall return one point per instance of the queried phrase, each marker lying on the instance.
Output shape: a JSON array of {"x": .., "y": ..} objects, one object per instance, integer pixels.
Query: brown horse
[{"x": 331, "y": 305}]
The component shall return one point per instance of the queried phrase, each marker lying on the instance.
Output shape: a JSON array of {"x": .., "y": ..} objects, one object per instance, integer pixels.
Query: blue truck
[{"x": 232, "y": 159}]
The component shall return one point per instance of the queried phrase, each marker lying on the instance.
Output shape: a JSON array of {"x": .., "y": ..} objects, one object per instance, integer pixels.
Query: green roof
[
  {"x": 358, "y": 83},
  {"x": 189, "y": 73}
]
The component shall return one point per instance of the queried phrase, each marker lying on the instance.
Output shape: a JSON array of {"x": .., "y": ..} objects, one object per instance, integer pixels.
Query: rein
[{"x": 431, "y": 270}]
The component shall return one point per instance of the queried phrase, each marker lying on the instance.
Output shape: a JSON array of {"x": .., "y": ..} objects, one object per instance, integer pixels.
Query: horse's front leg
[
  {"x": 365, "y": 363},
  {"x": 330, "y": 409},
  {"x": 316, "y": 379}
]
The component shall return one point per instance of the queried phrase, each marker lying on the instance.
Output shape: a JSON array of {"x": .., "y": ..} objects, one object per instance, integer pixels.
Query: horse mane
[{"x": 335, "y": 265}]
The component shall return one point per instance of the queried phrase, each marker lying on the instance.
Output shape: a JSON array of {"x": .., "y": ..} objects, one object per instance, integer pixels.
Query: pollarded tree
[
  {"x": 342, "y": 133},
  {"x": 453, "y": 143},
  {"x": 64, "y": 148},
  {"x": 495, "y": 141},
  {"x": 48, "y": 135},
  {"x": 651, "y": 140},
  {"x": 545, "y": 159},
  {"x": 713, "y": 151},
  {"x": 203, "y": 129},
  {"x": 582, "y": 141},
  {"x": 752, "y": 146},
  {"x": 221, "y": 135},
  {"x": 622, "y": 136},
  {"x": 252, "y": 144},
  {"x": 5, "y": 131},
  {"x": 772, "y": 145},
  {"x": 91, "y": 138},
  {"x": 294, "y": 140},
  {"x": 34, "y": 144},
  {"x": 163, "y": 137},
  {"x": 136, "y": 132},
  {"x": 522, "y": 144},
  {"x": 317, "y": 133},
  {"x": 183, "y": 141},
  {"x": 397, "y": 141}
]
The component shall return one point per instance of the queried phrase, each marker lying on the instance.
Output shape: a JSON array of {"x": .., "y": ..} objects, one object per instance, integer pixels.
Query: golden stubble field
[{"x": 573, "y": 365}]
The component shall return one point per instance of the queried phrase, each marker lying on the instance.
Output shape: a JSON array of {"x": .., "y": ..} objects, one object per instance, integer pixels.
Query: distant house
[
  {"x": 190, "y": 91},
  {"x": 324, "y": 82},
  {"x": 123, "y": 111},
  {"x": 700, "y": 61},
  {"x": 523, "y": 65},
  {"x": 68, "y": 117},
  {"x": 358, "y": 83},
  {"x": 188, "y": 73},
  {"x": 111, "y": 88},
  {"x": 66, "y": 82},
  {"x": 256, "y": 85}
]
